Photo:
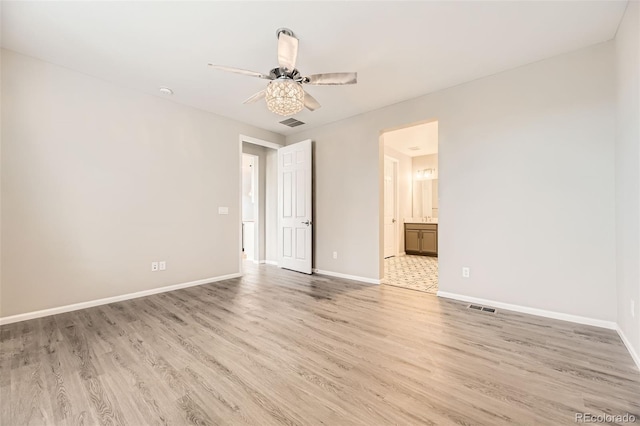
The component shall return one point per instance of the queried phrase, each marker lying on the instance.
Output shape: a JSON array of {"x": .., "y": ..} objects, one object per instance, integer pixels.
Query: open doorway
[
  {"x": 410, "y": 206},
  {"x": 250, "y": 207},
  {"x": 258, "y": 199}
]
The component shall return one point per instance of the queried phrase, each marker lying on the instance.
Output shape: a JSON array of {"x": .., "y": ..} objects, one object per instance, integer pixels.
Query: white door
[
  {"x": 390, "y": 226},
  {"x": 294, "y": 207}
]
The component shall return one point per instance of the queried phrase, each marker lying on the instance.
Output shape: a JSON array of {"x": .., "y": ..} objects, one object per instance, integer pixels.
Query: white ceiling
[
  {"x": 400, "y": 50},
  {"x": 423, "y": 138}
]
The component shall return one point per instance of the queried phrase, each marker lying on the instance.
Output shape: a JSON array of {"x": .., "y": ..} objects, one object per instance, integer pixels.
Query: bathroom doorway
[{"x": 410, "y": 208}]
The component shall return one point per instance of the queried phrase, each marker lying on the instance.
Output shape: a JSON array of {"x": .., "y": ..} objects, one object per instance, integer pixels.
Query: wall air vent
[
  {"x": 482, "y": 308},
  {"x": 292, "y": 122}
]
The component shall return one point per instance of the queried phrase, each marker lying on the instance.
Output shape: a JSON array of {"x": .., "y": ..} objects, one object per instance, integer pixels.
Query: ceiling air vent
[{"x": 292, "y": 122}]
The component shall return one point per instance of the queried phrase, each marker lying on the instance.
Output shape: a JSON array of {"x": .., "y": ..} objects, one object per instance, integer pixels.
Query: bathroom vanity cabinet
[{"x": 421, "y": 238}]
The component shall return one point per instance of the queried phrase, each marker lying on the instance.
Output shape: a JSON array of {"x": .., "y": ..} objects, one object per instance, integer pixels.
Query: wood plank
[{"x": 277, "y": 347}]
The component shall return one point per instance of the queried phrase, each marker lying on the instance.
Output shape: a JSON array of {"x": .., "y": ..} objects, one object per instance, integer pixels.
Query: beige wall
[
  {"x": 99, "y": 181},
  {"x": 628, "y": 174},
  {"x": 528, "y": 140}
]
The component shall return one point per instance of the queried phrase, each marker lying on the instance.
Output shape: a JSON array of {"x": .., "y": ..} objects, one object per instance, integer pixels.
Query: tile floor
[{"x": 413, "y": 272}]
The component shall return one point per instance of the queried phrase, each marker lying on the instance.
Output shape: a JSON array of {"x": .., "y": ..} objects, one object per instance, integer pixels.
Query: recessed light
[
  {"x": 166, "y": 91},
  {"x": 414, "y": 148}
]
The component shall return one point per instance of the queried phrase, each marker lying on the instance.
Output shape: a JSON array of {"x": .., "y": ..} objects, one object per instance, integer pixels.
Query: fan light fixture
[{"x": 284, "y": 96}]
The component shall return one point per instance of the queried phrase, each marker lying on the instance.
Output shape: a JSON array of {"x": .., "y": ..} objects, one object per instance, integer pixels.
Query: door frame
[
  {"x": 396, "y": 209},
  {"x": 255, "y": 141},
  {"x": 381, "y": 155}
]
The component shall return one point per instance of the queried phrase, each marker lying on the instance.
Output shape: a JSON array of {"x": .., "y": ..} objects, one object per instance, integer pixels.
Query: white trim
[
  {"x": 348, "y": 277},
  {"x": 627, "y": 343},
  {"x": 532, "y": 311},
  {"x": 271, "y": 262},
  {"x": 260, "y": 142},
  {"x": 107, "y": 300}
]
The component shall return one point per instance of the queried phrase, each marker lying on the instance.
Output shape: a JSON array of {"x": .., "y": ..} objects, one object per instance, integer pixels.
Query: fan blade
[
  {"x": 310, "y": 102},
  {"x": 332, "y": 78},
  {"x": 287, "y": 51},
  {"x": 256, "y": 97},
  {"x": 240, "y": 71}
]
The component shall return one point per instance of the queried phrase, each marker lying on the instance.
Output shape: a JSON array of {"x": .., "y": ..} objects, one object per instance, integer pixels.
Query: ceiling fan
[{"x": 284, "y": 94}]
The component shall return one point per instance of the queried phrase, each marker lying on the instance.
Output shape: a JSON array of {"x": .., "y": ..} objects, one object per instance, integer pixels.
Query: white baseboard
[
  {"x": 532, "y": 311},
  {"x": 107, "y": 300},
  {"x": 271, "y": 262},
  {"x": 348, "y": 277},
  {"x": 627, "y": 343}
]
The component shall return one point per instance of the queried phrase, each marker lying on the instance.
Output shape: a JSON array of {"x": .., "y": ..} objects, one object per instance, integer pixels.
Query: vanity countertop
[{"x": 420, "y": 222}]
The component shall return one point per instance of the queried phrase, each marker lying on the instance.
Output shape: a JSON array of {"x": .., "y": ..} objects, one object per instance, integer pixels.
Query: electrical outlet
[
  {"x": 154, "y": 266},
  {"x": 335, "y": 254},
  {"x": 465, "y": 272},
  {"x": 633, "y": 308},
  {"x": 163, "y": 265}
]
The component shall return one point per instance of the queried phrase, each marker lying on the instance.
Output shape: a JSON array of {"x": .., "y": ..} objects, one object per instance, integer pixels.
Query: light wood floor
[{"x": 276, "y": 347}]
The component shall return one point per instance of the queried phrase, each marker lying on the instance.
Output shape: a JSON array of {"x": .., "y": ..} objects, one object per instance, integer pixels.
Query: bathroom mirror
[{"x": 425, "y": 198}]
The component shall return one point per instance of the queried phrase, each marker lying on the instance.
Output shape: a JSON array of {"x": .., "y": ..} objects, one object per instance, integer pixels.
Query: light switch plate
[
  {"x": 223, "y": 210},
  {"x": 154, "y": 266},
  {"x": 163, "y": 265}
]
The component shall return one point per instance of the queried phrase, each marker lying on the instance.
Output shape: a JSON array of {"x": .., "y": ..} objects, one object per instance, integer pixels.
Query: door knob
[
  {"x": 308, "y": 222},
  {"x": 393, "y": 220}
]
